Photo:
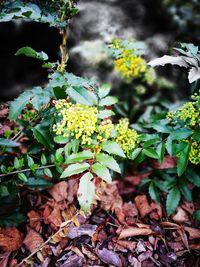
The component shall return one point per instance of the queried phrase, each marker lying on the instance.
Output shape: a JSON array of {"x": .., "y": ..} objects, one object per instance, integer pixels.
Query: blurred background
[{"x": 158, "y": 23}]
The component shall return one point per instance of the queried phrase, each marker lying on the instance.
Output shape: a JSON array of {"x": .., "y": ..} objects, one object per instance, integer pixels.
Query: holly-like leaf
[
  {"x": 82, "y": 95},
  {"x": 108, "y": 101},
  {"x": 112, "y": 147},
  {"x": 153, "y": 192},
  {"x": 103, "y": 114},
  {"x": 30, "y": 52},
  {"x": 108, "y": 161},
  {"x": 104, "y": 90},
  {"x": 75, "y": 169},
  {"x": 161, "y": 61},
  {"x": 173, "y": 199},
  {"x": 43, "y": 136},
  {"x": 86, "y": 191},
  {"x": 78, "y": 157},
  {"x": 102, "y": 172},
  {"x": 38, "y": 183},
  {"x": 193, "y": 177},
  {"x": 150, "y": 152},
  {"x": 183, "y": 159}
]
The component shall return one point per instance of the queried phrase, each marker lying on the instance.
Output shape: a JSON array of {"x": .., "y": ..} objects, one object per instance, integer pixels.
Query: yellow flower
[
  {"x": 130, "y": 66},
  {"x": 78, "y": 120},
  {"x": 127, "y": 138},
  {"x": 194, "y": 156}
]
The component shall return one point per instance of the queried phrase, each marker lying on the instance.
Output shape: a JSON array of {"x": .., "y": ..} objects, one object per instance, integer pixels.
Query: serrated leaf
[
  {"x": 43, "y": 136},
  {"x": 78, "y": 157},
  {"x": 150, "y": 152},
  {"x": 82, "y": 95},
  {"x": 135, "y": 153},
  {"x": 102, "y": 172},
  {"x": 86, "y": 191},
  {"x": 8, "y": 143},
  {"x": 103, "y": 114},
  {"x": 108, "y": 101},
  {"x": 193, "y": 177},
  {"x": 161, "y": 152},
  {"x": 185, "y": 190},
  {"x": 18, "y": 105},
  {"x": 75, "y": 169},
  {"x": 181, "y": 133},
  {"x": 183, "y": 159},
  {"x": 153, "y": 192},
  {"x": 194, "y": 74},
  {"x": 112, "y": 147},
  {"x": 161, "y": 61},
  {"x": 173, "y": 199},
  {"x": 108, "y": 161},
  {"x": 30, "y": 52},
  {"x": 104, "y": 90}
]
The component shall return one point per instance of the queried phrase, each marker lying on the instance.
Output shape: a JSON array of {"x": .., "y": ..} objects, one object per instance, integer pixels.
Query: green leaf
[
  {"x": 153, "y": 192},
  {"x": 196, "y": 135},
  {"x": 78, "y": 157},
  {"x": 161, "y": 151},
  {"x": 17, "y": 164},
  {"x": 103, "y": 114},
  {"x": 112, "y": 147},
  {"x": 150, "y": 152},
  {"x": 169, "y": 145},
  {"x": 173, "y": 199},
  {"x": 181, "y": 133},
  {"x": 193, "y": 177},
  {"x": 43, "y": 136},
  {"x": 108, "y": 161},
  {"x": 86, "y": 191},
  {"x": 48, "y": 172},
  {"x": 75, "y": 169},
  {"x": 75, "y": 145},
  {"x": 150, "y": 142},
  {"x": 30, "y": 161},
  {"x": 30, "y": 52},
  {"x": 82, "y": 96},
  {"x": 14, "y": 219},
  {"x": 43, "y": 159},
  {"x": 104, "y": 90},
  {"x": 161, "y": 126},
  {"x": 60, "y": 139},
  {"x": 186, "y": 192},
  {"x": 135, "y": 153},
  {"x": 183, "y": 159},
  {"x": 102, "y": 172},
  {"x": 108, "y": 101},
  {"x": 38, "y": 183},
  {"x": 22, "y": 177},
  {"x": 18, "y": 105},
  {"x": 196, "y": 214},
  {"x": 8, "y": 143}
]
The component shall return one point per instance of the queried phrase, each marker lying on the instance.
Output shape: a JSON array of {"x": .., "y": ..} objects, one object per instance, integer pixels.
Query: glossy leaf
[
  {"x": 102, "y": 172},
  {"x": 74, "y": 169},
  {"x": 173, "y": 199}
]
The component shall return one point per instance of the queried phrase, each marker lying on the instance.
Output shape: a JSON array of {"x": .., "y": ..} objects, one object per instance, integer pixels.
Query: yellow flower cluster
[
  {"x": 194, "y": 156},
  {"x": 104, "y": 133},
  {"x": 149, "y": 76},
  {"x": 129, "y": 65},
  {"x": 127, "y": 138},
  {"x": 78, "y": 120},
  {"x": 187, "y": 113}
]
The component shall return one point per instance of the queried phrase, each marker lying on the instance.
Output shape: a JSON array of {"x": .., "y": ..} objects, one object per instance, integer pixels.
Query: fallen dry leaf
[
  {"x": 73, "y": 261},
  {"x": 184, "y": 238},
  {"x": 136, "y": 179},
  {"x": 145, "y": 255},
  {"x": 4, "y": 259},
  {"x": 34, "y": 220},
  {"x": 10, "y": 239},
  {"x": 193, "y": 232},
  {"x": 168, "y": 162},
  {"x": 180, "y": 216},
  {"x": 142, "y": 205},
  {"x": 33, "y": 240},
  {"x": 59, "y": 191},
  {"x": 109, "y": 257},
  {"x": 86, "y": 229},
  {"x": 89, "y": 253},
  {"x": 156, "y": 212},
  {"x": 52, "y": 216},
  {"x": 134, "y": 231},
  {"x": 130, "y": 245}
]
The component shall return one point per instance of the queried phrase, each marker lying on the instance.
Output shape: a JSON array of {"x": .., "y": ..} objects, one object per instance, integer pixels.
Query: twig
[
  {"x": 64, "y": 224},
  {"x": 26, "y": 170}
]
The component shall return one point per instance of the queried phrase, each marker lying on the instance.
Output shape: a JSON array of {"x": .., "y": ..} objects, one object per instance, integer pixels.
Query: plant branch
[{"x": 26, "y": 170}]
